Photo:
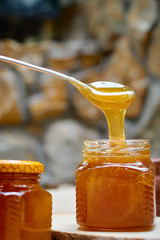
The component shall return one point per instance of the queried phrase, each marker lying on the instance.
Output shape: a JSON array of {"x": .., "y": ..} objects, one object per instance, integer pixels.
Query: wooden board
[{"x": 65, "y": 228}]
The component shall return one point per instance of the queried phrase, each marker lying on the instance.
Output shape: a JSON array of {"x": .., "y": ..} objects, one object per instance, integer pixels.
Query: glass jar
[
  {"x": 115, "y": 185},
  {"x": 25, "y": 207}
]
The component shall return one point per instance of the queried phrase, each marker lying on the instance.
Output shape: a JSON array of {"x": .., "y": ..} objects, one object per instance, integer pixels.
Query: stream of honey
[{"x": 113, "y": 99}]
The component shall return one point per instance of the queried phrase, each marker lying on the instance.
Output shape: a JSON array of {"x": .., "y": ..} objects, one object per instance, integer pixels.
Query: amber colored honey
[
  {"x": 25, "y": 208},
  {"x": 115, "y": 184},
  {"x": 112, "y": 99},
  {"x": 115, "y": 191}
]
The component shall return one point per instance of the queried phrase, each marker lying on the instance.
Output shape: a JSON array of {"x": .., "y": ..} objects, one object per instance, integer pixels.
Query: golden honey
[
  {"x": 25, "y": 207},
  {"x": 115, "y": 185},
  {"x": 115, "y": 181},
  {"x": 112, "y": 99}
]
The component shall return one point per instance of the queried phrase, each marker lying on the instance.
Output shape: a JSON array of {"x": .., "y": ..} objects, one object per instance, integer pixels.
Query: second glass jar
[{"x": 25, "y": 207}]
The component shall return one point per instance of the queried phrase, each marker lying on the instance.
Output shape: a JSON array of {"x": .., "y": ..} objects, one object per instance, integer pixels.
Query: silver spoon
[
  {"x": 40, "y": 69},
  {"x": 96, "y": 92}
]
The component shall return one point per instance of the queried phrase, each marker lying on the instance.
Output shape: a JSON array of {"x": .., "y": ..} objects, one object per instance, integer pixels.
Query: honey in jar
[
  {"x": 115, "y": 181},
  {"x": 25, "y": 207},
  {"x": 115, "y": 185}
]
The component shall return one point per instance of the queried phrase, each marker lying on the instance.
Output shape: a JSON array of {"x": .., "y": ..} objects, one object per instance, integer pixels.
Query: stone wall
[{"x": 44, "y": 118}]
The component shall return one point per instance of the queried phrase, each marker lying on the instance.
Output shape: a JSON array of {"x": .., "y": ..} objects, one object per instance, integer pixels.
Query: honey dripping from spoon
[{"x": 111, "y": 98}]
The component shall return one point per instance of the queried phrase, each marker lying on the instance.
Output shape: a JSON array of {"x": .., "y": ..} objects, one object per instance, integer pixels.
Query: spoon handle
[{"x": 37, "y": 68}]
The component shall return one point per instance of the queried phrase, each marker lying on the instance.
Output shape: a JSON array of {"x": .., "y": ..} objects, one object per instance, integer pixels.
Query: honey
[
  {"x": 112, "y": 99},
  {"x": 115, "y": 185},
  {"x": 115, "y": 181},
  {"x": 25, "y": 207}
]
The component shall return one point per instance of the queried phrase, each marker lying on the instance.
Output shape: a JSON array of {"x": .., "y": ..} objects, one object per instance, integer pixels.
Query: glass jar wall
[{"x": 115, "y": 185}]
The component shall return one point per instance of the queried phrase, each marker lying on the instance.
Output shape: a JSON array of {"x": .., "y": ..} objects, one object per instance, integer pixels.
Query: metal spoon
[{"x": 98, "y": 92}]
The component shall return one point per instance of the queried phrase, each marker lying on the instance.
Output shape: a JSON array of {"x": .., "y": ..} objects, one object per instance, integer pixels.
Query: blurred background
[{"x": 44, "y": 118}]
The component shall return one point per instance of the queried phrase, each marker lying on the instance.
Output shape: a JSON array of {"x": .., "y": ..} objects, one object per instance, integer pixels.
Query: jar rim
[
  {"x": 116, "y": 147},
  {"x": 20, "y": 166},
  {"x": 109, "y": 141}
]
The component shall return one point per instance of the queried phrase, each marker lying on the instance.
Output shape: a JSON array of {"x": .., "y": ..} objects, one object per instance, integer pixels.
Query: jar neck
[
  {"x": 124, "y": 149},
  {"x": 18, "y": 180}
]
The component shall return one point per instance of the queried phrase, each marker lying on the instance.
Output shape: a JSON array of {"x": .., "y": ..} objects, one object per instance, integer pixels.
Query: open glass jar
[
  {"x": 25, "y": 207},
  {"x": 115, "y": 185}
]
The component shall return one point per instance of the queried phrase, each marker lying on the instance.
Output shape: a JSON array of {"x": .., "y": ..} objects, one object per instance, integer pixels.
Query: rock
[
  {"x": 90, "y": 59},
  {"x": 28, "y": 76},
  {"x": 63, "y": 148},
  {"x": 51, "y": 102},
  {"x": 152, "y": 128},
  {"x": 53, "y": 86},
  {"x": 125, "y": 69},
  {"x": 43, "y": 108},
  {"x": 85, "y": 110},
  {"x": 61, "y": 58},
  {"x": 90, "y": 53},
  {"x": 19, "y": 144},
  {"x": 147, "y": 126},
  {"x": 142, "y": 15},
  {"x": 77, "y": 28},
  {"x": 11, "y": 48},
  {"x": 87, "y": 51},
  {"x": 36, "y": 47},
  {"x": 140, "y": 20},
  {"x": 89, "y": 75},
  {"x": 47, "y": 30},
  {"x": 105, "y": 20},
  {"x": 45, "y": 45},
  {"x": 153, "y": 56},
  {"x": 76, "y": 45},
  {"x": 12, "y": 98},
  {"x": 35, "y": 129},
  {"x": 32, "y": 53}
]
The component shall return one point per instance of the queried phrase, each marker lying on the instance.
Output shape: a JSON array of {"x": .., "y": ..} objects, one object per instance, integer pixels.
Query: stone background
[{"x": 43, "y": 117}]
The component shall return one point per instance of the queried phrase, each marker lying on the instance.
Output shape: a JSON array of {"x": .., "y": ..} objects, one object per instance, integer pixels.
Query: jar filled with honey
[
  {"x": 115, "y": 185},
  {"x": 25, "y": 207}
]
